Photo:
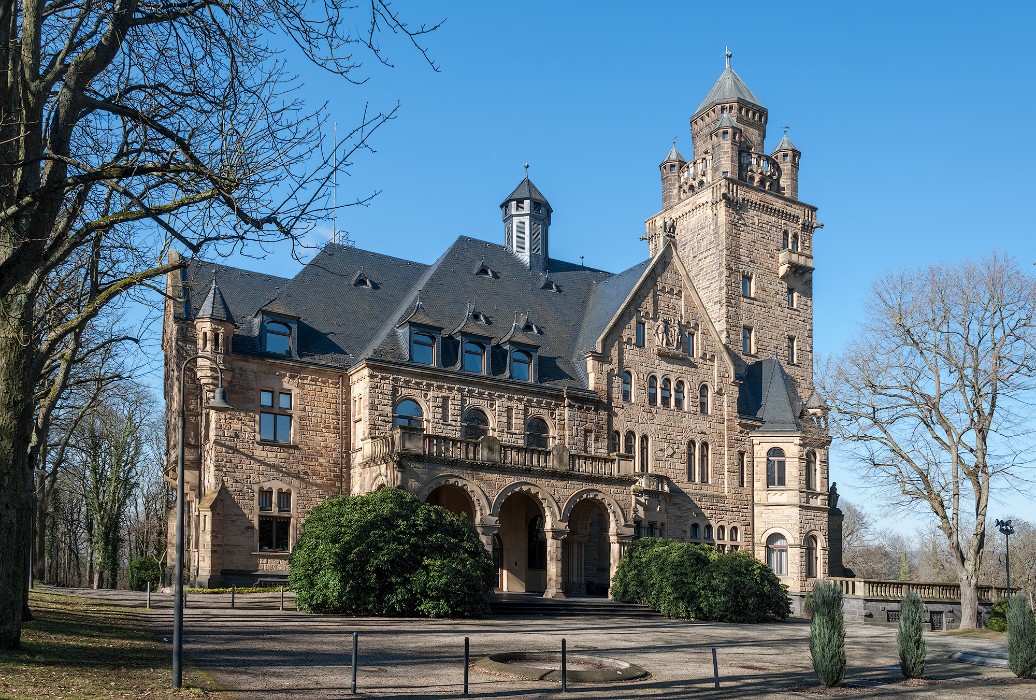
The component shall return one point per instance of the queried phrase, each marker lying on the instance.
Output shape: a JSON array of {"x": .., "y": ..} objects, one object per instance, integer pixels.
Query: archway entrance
[
  {"x": 523, "y": 545},
  {"x": 586, "y": 556},
  {"x": 454, "y": 499}
]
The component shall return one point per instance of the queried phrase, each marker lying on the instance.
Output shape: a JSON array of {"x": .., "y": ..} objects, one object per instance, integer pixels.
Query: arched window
[
  {"x": 644, "y": 453},
  {"x": 667, "y": 393},
  {"x": 627, "y": 386},
  {"x": 409, "y": 414},
  {"x": 474, "y": 357},
  {"x": 422, "y": 349},
  {"x": 708, "y": 532},
  {"x": 521, "y": 365},
  {"x": 703, "y": 463},
  {"x": 721, "y": 533},
  {"x": 777, "y": 554},
  {"x": 811, "y": 471},
  {"x": 678, "y": 396},
  {"x": 703, "y": 399},
  {"x": 784, "y": 240},
  {"x": 812, "y": 557},
  {"x": 537, "y": 544},
  {"x": 630, "y": 445},
  {"x": 652, "y": 390},
  {"x": 733, "y": 534},
  {"x": 613, "y": 444},
  {"x": 794, "y": 242},
  {"x": 695, "y": 531},
  {"x": 474, "y": 424},
  {"x": 537, "y": 434},
  {"x": 692, "y": 464},
  {"x": 277, "y": 338},
  {"x": 775, "y": 468}
]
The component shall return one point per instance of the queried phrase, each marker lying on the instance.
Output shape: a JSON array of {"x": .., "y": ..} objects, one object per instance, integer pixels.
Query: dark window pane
[
  {"x": 266, "y": 499},
  {"x": 422, "y": 349},
  {"x": 537, "y": 433},
  {"x": 277, "y": 339},
  {"x": 409, "y": 414},
  {"x": 474, "y": 425},
  {"x": 285, "y": 402},
  {"x": 283, "y": 526},
  {"x": 652, "y": 391},
  {"x": 284, "y": 500},
  {"x": 630, "y": 446},
  {"x": 474, "y": 355},
  {"x": 265, "y": 534},
  {"x": 521, "y": 366},
  {"x": 283, "y": 429},
  {"x": 266, "y": 426},
  {"x": 640, "y": 334},
  {"x": 678, "y": 400},
  {"x": 266, "y": 399}
]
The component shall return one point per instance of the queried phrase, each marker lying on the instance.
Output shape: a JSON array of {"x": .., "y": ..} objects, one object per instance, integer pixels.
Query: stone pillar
[
  {"x": 835, "y": 565},
  {"x": 619, "y": 544},
  {"x": 555, "y": 574}
]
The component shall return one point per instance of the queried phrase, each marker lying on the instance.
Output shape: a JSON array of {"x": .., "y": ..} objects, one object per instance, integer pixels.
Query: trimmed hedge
[
  {"x": 998, "y": 616},
  {"x": 143, "y": 571},
  {"x": 388, "y": 553},
  {"x": 679, "y": 579},
  {"x": 913, "y": 651}
]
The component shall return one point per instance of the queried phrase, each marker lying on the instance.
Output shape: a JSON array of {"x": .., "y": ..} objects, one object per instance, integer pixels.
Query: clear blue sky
[{"x": 914, "y": 121}]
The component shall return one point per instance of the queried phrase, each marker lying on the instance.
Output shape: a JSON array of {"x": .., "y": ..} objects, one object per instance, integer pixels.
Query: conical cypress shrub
[
  {"x": 912, "y": 650},
  {"x": 1021, "y": 636},
  {"x": 827, "y": 634}
]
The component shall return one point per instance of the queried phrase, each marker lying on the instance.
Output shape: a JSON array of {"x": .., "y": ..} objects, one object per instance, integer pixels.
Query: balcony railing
[
  {"x": 897, "y": 590},
  {"x": 489, "y": 450}
]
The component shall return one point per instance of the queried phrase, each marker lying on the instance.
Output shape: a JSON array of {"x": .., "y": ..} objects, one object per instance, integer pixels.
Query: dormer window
[
  {"x": 422, "y": 348},
  {"x": 521, "y": 365},
  {"x": 277, "y": 338},
  {"x": 474, "y": 357}
]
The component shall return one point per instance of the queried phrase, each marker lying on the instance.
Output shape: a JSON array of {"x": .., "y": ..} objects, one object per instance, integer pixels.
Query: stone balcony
[
  {"x": 793, "y": 262},
  {"x": 489, "y": 451}
]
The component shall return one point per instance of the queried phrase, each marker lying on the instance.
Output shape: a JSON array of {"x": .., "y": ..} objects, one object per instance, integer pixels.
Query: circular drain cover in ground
[{"x": 546, "y": 666}]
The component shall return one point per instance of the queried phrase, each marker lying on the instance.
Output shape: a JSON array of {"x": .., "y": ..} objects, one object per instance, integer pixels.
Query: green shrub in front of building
[
  {"x": 685, "y": 580},
  {"x": 388, "y": 553},
  {"x": 1021, "y": 636},
  {"x": 913, "y": 652},
  {"x": 998, "y": 616},
  {"x": 827, "y": 634},
  {"x": 143, "y": 571}
]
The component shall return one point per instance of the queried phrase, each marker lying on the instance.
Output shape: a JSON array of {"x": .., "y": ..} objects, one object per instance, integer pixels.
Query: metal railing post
[
  {"x": 564, "y": 665},
  {"x": 467, "y": 656},
  {"x": 355, "y": 645}
]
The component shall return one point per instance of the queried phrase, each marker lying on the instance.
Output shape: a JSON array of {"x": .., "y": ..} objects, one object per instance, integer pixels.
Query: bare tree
[
  {"x": 932, "y": 395},
  {"x": 127, "y": 127}
]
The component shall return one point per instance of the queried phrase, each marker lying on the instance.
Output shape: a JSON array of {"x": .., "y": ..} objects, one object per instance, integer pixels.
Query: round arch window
[
  {"x": 537, "y": 433},
  {"x": 409, "y": 414},
  {"x": 777, "y": 553},
  {"x": 474, "y": 424}
]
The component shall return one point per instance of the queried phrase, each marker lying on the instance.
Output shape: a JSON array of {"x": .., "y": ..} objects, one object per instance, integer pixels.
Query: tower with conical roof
[
  {"x": 671, "y": 169},
  {"x": 526, "y": 215}
]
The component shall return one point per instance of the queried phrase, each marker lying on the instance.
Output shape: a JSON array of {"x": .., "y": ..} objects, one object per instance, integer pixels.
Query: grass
[
  {"x": 78, "y": 648},
  {"x": 251, "y": 589},
  {"x": 978, "y": 633}
]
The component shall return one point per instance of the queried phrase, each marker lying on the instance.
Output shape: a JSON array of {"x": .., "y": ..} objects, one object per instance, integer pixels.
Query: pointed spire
[
  {"x": 674, "y": 155},
  {"x": 785, "y": 143},
  {"x": 215, "y": 306},
  {"x": 729, "y": 88}
]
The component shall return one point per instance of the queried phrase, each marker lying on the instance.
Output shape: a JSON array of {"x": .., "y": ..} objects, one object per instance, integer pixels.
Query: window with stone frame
[
  {"x": 792, "y": 298},
  {"x": 747, "y": 285},
  {"x": 742, "y": 468},
  {"x": 614, "y": 441},
  {"x": 777, "y": 553},
  {"x": 690, "y": 342},
  {"x": 812, "y": 480},
  {"x": 275, "y": 414},
  {"x": 630, "y": 444},
  {"x": 776, "y": 468},
  {"x": 474, "y": 424},
  {"x": 747, "y": 340},
  {"x": 652, "y": 390},
  {"x": 704, "y": 465},
  {"x": 733, "y": 536},
  {"x": 692, "y": 461},
  {"x": 679, "y": 395},
  {"x": 784, "y": 240},
  {"x": 708, "y": 533},
  {"x": 422, "y": 348},
  {"x": 695, "y": 531},
  {"x": 703, "y": 399},
  {"x": 537, "y": 433},
  {"x": 793, "y": 350},
  {"x": 274, "y": 519},
  {"x": 667, "y": 393},
  {"x": 640, "y": 334},
  {"x": 645, "y": 454},
  {"x": 409, "y": 414},
  {"x": 812, "y": 557},
  {"x": 627, "y": 386}
]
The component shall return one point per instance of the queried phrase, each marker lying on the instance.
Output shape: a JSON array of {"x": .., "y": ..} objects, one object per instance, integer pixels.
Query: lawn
[{"x": 79, "y": 647}]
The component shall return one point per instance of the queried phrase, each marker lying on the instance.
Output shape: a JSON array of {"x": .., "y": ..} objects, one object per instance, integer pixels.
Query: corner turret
[
  {"x": 787, "y": 157},
  {"x": 214, "y": 327},
  {"x": 671, "y": 169}
]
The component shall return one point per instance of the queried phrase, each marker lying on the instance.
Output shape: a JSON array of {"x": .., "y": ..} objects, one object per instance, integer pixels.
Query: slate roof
[
  {"x": 215, "y": 306},
  {"x": 674, "y": 155},
  {"x": 728, "y": 88},
  {"x": 527, "y": 190},
  {"x": 785, "y": 144},
  {"x": 767, "y": 394}
]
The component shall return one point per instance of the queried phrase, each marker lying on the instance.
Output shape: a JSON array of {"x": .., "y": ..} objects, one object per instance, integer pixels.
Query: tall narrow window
[
  {"x": 275, "y": 421},
  {"x": 537, "y": 544},
  {"x": 521, "y": 365},
  {"x": 793, "y": 355},
  {"x": 652, "y": 390},
  {"x": 409, "y": 414},
  {"x": 747, "y": 340},
  {"x": 703, "y": 463},
  {"x": 474, "y": 357},
  {"x": 274, "y": 531},
  {"x": 692, "y": 462},
  {"x": 667, "y": 393},
  {"x": 703, "y": 399},
  {"x": 746, "y": 285},
  {"x": 811, "y": 471},
  {"x": 644, "y": 453},
  {"x": 474, "y": 424},
  {"x": 679, "y": 395},
  {"x": 777, "y": 554},
  {"x": 792, "y": 301},
  {"x": 277, "y": 338},
  {"x": 537, "y": 434},
  {"x": 690, "y": 343},
  {"x": 640, "y": 334},
  {"x": 422, "y": 349},
  {"x": 775, "y": 468},
  {"x": 794, "y": 242},
  {"x": 629, "y": 446},
  {"x": 784, "y": 240},
  {"x": 812, "y": 558},
  {"x": 708, "y": 532},
  {"x": 614, "y": 441},
  {"x": 742, "y": 467},
  {"x": 695, "y": 531},
  {"x": 627, "y": 386}
]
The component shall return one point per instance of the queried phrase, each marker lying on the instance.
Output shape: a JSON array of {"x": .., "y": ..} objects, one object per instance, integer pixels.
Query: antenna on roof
[{"x": 786, "y": 127}]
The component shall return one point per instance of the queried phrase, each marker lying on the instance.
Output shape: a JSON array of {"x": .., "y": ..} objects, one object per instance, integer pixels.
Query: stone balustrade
[{"x": 897, "y": 590}]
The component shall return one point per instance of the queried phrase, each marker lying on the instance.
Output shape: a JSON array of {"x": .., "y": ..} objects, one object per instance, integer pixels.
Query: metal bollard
[
  {"x": 148, "y": 595},
  {"x": 467, "y": 656},
  {"x": 715, "y": 667},
  {"x": 355, "y": 638},
  {"x": 282, "y": 598},
  {"x": 564, "y": 665},
  {"x": 233, "y": 592}
]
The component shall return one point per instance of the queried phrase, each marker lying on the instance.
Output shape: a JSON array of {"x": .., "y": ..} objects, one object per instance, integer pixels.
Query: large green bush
[
  {"x": 1021, "y": 636},
  {"x": 143, "y": 571},
  {"x": 998, "y": 616},
  {"x": 679, "y": 579},
  {"x": 388, "y": 553},
  {"x": 827, "y": 634},
  {"x": 910, "y": 637}
]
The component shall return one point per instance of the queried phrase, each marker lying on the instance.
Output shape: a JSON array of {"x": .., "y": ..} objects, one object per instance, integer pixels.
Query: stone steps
[{"x": 531, "y": 605}]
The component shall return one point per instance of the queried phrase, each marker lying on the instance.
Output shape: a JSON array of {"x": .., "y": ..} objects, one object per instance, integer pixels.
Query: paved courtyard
[{"x": 261, "y": 652}]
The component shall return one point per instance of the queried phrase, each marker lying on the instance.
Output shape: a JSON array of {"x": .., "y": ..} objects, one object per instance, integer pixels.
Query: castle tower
[
  {"x": 787, "y": 157},
  {"x": 526, "y": 215},
  {"x": 671, "y": 169}
]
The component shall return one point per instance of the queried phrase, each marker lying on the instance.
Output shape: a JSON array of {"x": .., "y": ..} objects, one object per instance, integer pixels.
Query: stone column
[
  {"x": 555, "y": 575},
  {"x": 619, "y": 544}
]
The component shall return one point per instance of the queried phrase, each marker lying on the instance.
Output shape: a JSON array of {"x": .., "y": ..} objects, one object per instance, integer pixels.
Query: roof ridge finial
[
  {"x": 730, "y": 55},
  {"x": 526, "y": 171}
]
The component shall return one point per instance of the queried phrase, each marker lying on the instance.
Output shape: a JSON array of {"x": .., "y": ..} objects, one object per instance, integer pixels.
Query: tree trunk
[
  {"x": 968, "y": 601},
  {"x": 16, "y": 394}
]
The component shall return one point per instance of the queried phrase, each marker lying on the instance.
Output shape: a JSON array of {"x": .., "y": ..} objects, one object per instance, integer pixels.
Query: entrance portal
[
  {"x": 454, "y": 499},
  {"x": 523, "y": 545},
  {"x": 587, "y": 550}
]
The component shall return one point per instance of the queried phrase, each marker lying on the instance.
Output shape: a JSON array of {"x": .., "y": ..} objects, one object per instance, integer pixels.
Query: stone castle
[{"x": 564, "y": 410}]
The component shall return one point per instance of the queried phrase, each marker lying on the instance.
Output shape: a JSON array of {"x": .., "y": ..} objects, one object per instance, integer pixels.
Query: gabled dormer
[
  {"x": 278, "y": 329},
  {"x": 475, "y": 336},
  {"x": 422, "y": 336},
  {"x": 522, "y": 345}
]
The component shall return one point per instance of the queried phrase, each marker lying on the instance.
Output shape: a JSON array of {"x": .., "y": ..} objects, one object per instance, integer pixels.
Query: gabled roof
[
  {"x": 674, "y": 155},
  {"x": 518, "y": 334},
  {"x": 474, "y": 323},
  {"x": 729, "y": 88},
  {"x": 276, "y": 306},
  {"x": 527, "y": 190},
  {"x": 768, "y": 395},
  {"x": 726, "y": 121},
  {"x": 215, "y": 305},
  {"x": 785, "y": 144}
]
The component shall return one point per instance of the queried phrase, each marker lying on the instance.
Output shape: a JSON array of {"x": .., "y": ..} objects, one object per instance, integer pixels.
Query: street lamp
[
  {"x": 218, "y": 403},
  {"x": 37, "y": 474},
  {"x": 1006, "y": 529}
]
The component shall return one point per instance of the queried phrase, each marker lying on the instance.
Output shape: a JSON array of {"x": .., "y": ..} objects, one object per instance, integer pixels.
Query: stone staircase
[{"x": 533, "y": 605}]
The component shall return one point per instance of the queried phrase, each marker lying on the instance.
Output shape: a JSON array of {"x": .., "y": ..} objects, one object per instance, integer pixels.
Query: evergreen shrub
[
  {"x": 912, "y": 649},
  {"x": 388, "y": 553},
  {"x": 1021, "y": 636},
  {"x": 679, "y": 579},
  {"x": 145, "y": 570},
  {"x": 998, "y": 616},
  {"x": 827, "y": 634}
]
